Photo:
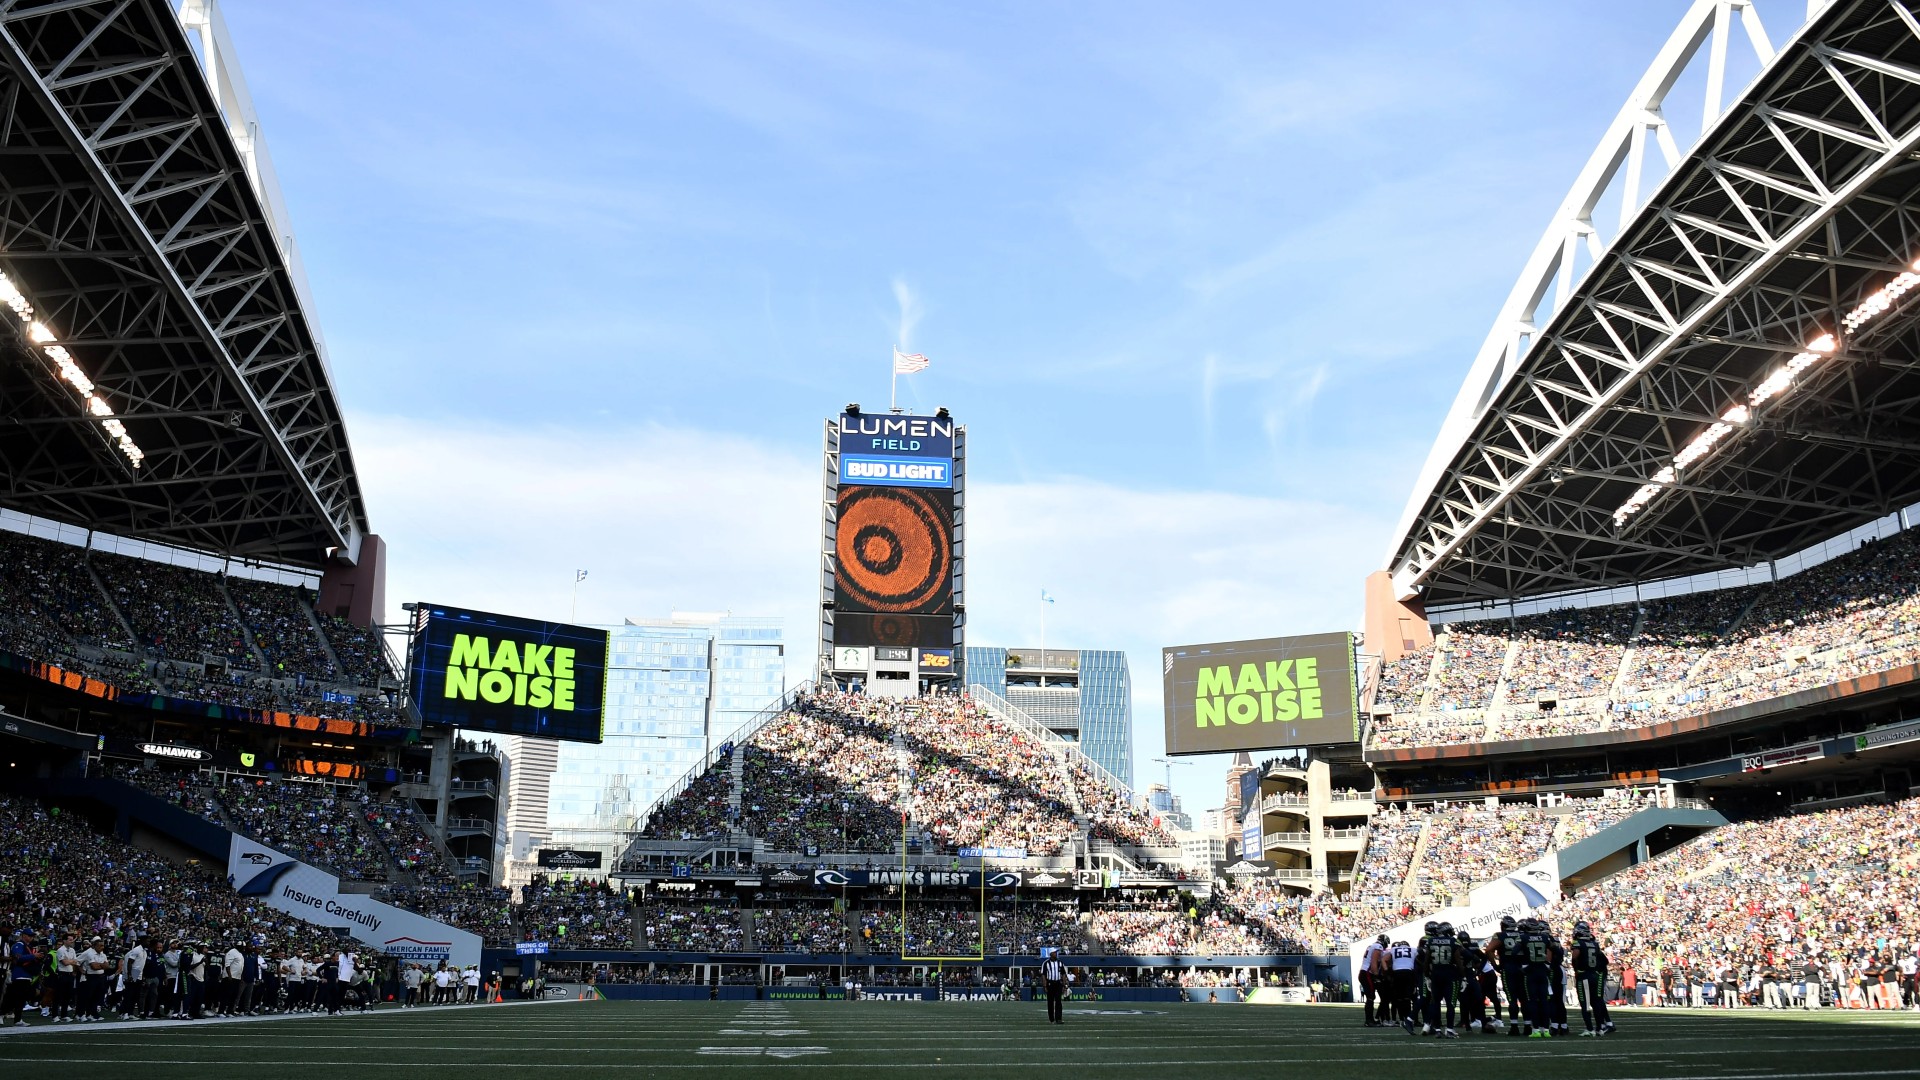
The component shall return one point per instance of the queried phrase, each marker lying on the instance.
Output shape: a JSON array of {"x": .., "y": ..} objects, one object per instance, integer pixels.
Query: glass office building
[
  {"x": 676, "y": 688},
  {"x": 1085, "y": 695}
]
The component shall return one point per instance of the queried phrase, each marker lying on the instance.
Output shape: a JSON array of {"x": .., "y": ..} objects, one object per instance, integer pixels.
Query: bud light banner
[{"x": 312, "y": 895}]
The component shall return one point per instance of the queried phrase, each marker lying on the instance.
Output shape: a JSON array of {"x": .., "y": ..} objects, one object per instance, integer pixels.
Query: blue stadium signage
[{"x": 896, "y": 471}]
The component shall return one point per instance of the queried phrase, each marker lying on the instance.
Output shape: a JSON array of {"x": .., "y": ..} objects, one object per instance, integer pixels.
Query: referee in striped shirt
[{"x": 1054, "y": 973}]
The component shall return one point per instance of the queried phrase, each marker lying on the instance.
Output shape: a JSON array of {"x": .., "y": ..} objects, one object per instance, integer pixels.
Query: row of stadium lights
[
  {"x": 1775, "y": 385},
  {"x": 38, "y": 333}
]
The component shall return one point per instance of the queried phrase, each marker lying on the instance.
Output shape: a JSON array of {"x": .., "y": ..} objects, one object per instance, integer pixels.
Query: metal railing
[
  {"x": 738, "y": 739},
  {"x": 1014, "y": 714},
  {"x": 470, "y": 824},
  {"x": 1274, "y": 839}
]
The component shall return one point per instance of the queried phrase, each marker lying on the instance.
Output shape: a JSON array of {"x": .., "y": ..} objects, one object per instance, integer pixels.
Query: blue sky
[{"x": 1201, "y": 280}]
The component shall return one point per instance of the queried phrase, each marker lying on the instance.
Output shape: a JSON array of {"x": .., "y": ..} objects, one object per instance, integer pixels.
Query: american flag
[{"x": 908, "y": 363}]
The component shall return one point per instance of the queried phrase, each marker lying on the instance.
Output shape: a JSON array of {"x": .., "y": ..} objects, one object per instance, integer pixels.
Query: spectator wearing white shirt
[
  {"x": 94, "y": 963},
  {"x": 66, "y": 974}
]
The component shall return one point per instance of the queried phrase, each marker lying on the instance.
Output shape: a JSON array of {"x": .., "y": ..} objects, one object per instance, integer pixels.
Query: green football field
[{"x": 887, "y": 1039}]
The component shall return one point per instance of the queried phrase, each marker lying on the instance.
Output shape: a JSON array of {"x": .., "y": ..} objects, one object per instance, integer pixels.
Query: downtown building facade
[
  {"x": 1083, "y": 695},
  {"x": 676, "y": 689}
]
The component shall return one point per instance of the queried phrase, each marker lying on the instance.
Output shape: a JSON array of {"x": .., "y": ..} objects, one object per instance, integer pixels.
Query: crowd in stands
[
  {"x": 801, "y": 928},
  {"x": 1470, "y": 663},
  {"x": 176, "y": 613},
  {"x": 1592, "y": 815},
  {"x": 44, "y": 589},
  {"x": 1111, "y": 815},
  {"x": 699, "y": 811},
  {"x": 1581, "y": 671},
  {"x": 1828, "y": 896},
  {"x": 1574, "y": 653},
  {"x": 486, "y": 910},
  {"x": 837, "y": 772},
  {"x": 280, "y": 619},
  {"x": 360, "y": 650},
  {"x": 1403, "y": 683},
  {"x": 702, "y": 926},
  {"x": 1468, "y": 848},
  {"x": 316, "y": 823},
  {"x": 1148, "y": 925},
  {"x": 575, "y": 914},
  {"x": 156, "y": 628},
  {"x": 1391, "y": 840},
  {"x": 59, "y": 875}
]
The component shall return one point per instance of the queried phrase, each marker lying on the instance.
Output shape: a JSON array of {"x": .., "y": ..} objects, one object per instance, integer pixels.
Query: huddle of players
[{"x": 1447, "y": 977}]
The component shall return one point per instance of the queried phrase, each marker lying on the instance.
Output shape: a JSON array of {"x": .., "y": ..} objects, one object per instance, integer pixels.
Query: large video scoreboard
[
  {"x": 1264, "y": 694},
  {"x": 486, "y": 672},
  {"x": 891, "y": 538}
]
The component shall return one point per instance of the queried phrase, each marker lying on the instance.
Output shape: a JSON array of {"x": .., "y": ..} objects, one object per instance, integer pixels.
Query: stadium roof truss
[
  {"x": 140, "y": 219},
  {"x": 1798, "y": 202}
]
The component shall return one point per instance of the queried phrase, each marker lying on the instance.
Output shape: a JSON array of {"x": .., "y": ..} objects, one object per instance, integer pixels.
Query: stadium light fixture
[
  {"x": 69, "y": 371},
  {"x": 1778, "y": 383}
]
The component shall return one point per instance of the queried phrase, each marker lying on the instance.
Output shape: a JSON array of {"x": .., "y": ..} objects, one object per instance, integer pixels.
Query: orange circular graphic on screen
[{"x": 893, "y": 551}]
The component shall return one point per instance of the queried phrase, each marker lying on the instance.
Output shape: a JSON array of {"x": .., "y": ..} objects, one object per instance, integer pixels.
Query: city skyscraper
[{"x": 676, "y": 689}]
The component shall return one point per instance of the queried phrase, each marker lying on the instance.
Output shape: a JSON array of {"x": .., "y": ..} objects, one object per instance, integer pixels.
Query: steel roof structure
[
  {"x": 1679, "y": 364},
  {"x": 140, "y": 220}
]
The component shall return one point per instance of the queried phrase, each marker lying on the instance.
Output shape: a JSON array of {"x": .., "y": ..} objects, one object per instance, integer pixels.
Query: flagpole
[
  {"x": 893, "y": 381},
  {"x": 1043, "y": 639}
]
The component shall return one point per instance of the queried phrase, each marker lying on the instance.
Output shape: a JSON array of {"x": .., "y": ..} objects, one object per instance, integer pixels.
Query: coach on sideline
[{"x": 1054, "y": 973}]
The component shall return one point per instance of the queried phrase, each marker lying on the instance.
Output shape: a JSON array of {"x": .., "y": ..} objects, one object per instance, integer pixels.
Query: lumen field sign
[
  {"x": 1260, "y": 695},
  {"x": 517, "y": 676}
]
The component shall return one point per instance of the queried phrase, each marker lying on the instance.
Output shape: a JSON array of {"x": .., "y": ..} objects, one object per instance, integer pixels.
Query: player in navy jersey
[
  {"x": 1537, "y": 951},
  {"x": 1590, "y": 980},
  {"x": 1443, "y": 974},
  {"x": 1509, "y": 955}
]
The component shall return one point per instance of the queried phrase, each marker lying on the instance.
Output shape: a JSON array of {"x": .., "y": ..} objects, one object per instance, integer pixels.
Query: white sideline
[{"x": 45, "y": 1025}]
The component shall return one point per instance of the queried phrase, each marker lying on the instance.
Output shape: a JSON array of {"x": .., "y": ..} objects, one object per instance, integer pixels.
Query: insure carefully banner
[
  {"x": 1263, "y": 694},
  {"x": 312, "y": 895}
]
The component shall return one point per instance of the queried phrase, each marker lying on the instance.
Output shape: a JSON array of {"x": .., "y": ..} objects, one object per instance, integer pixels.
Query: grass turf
[{"x": 888, "y": 1039}]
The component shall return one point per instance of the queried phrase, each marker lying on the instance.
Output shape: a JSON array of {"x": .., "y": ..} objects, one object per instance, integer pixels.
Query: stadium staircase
[
  {"x": 1626, "y": 658},
  {"x": 1433, "y": 674},
  {"x": 106, "y": 596},
  {"x": 326, "y": 646},
  {"x": 1405, "y": 890},
  {"x": 1497, "y": 704},
  {"x": 259, "y": 655}
]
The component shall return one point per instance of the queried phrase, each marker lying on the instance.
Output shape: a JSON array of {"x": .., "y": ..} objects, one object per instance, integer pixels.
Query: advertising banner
[
  {"x": 487, "y": 672},
  {"x": 1533, "y": 886},
  {"x": 850, "y": 657},
  {"x": 896, "y": 451},
  {"x": 937, "y": 661},
  {"x": 946, "y": 879},
  {"x": 313, "y": 895},
  {"x": 1251, "y": 846},
  {"x": 568, "y": 859},
  {"x": 1887, "y": 736},
  {"x": 1260, "y": 695}
]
